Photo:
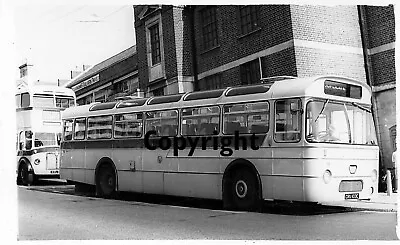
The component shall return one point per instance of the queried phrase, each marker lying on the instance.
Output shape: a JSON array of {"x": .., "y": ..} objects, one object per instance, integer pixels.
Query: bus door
[{"x": 287, "y": 151}]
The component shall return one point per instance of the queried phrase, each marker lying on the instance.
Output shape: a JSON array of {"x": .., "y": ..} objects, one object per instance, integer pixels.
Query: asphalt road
[{"x": 56, "y": 212}]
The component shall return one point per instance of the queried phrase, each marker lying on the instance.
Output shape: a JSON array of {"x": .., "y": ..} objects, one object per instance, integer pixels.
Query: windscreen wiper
[
  {"x": 361, "y": 107},
  {"x": 322, "y": 110}
]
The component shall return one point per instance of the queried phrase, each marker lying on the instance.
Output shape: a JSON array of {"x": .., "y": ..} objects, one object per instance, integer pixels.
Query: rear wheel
[
  {"x": 106, "y": 182},
  {"x": 244, "y": 190}
]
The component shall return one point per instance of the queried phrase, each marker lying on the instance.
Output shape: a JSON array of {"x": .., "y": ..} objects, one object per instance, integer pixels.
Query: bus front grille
[
  {"x": 52, "y": 161},
  {"x": 350, "y": 185}
]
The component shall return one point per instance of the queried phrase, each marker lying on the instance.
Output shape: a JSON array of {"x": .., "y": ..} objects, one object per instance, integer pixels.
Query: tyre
[
  {"x": 24, "y": 176},
  {"x": 244, "y": 190},
  {"x": 106, "y": 182}
]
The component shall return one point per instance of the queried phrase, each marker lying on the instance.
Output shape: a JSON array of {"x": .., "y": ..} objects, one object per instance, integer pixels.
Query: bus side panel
[
  {"x": 130, "y": 181},
  {"x": 128, "y": 162},
  {"x": 202, "y": 161},
  {"x": 267, "y": 187},
  {"x": 287, "y": 188},
  {"x": 153, "y": 182},
  {"x": 193, "y": 185},
  {"x": 155, "y": 162},
  {"x": 78, "y": 165}
]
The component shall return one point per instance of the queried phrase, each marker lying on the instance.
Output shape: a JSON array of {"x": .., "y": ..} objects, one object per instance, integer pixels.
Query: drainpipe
[
  {"x": 194, "y": 50},
  {"x": 368, "y": 72}
]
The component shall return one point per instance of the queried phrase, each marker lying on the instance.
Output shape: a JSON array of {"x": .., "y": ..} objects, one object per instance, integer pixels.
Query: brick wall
[
  {"x": 170, "y": 30},
  {"x": 311, "y": 62},
  {"x": 275, "y": 28},
  {"x": 383, "y": 65},
  {"x": 282, "y": 63},
  {"x": 335, "y": 25},
  {"x": 381, "y": 25}
]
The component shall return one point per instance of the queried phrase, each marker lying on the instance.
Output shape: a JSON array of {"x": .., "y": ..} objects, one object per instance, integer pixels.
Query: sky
[{"x": 56, "y": 39}]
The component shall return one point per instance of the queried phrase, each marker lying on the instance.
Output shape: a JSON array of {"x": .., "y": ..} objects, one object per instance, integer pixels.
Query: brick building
[{"x": 186, "y": 48}]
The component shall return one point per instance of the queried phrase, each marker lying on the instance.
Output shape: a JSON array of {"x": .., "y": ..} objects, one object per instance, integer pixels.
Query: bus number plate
[{"x": 352, "y": 196}]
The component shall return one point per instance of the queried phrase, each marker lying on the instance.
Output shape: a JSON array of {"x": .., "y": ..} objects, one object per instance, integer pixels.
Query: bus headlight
[
  {"x": 37, "y": 161},
  {"x": 327, "y": 176},
  {"x": 374, "y": 175}
]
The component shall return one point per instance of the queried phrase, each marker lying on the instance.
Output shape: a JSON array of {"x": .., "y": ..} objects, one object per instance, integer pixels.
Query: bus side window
[
  {"x": 165, "y": 123},
  {"x": 99, "y": 127},
  {"x": 68, "y": 130},
  {"x": 200, "y": 120},
  {"x": 128, "y": 125},
  {"x": 80, "y": 129},
  {"x": 246, "y": 118},
  {"x": 287, "y": 120}
]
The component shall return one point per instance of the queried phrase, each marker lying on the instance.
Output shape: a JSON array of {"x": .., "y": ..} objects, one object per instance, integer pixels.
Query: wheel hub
[{"x": 241, "y": 189}]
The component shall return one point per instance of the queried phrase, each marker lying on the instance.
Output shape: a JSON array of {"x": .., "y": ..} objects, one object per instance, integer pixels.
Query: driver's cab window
[
  {"x": 25, "y": 140},
  {"x": 288, "y": 120}
]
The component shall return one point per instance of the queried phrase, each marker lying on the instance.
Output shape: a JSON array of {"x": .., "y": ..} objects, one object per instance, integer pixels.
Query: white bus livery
[
  {"x": 303, "y": 139},
  {"x": 38, "y": 110}
]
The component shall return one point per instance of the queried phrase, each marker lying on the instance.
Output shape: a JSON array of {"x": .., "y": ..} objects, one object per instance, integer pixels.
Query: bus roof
[
  {"x": 44, "y": 89},
  {"x": 287, "y": 88}
]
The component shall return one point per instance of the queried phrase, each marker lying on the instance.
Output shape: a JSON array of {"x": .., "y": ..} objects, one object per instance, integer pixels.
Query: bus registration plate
[{"x": 352, "y": 196}]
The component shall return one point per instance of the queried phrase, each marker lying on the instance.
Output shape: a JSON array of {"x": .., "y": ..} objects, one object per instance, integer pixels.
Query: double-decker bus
[
  {"x": 303, "y": 139},
  {"x": 38, "y": 110}
]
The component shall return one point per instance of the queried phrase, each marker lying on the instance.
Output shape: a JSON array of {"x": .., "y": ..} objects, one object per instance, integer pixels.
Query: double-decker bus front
[
  {"x": 39, "y": 131},
  {"x": 340, "y": 143}
]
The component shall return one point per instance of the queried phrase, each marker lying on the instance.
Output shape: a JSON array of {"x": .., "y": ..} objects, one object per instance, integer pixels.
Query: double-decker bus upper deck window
[
  {"x": 64, "y": 102},
  {"x": 128, "y": 125},
  {"x": 43, "y": 101},
  {"x": 99, "y": 127},
  {"x": 200, "y": 121},
  {"x": 164, "y": 123},
  {"x": 246, "y": 118},
  {"x": 287, "y": 120},
  {"x": 25, "y": 100},
  {"x": 18, "y": 101},
  {"x": 79, "y": 128},
  {"x": 68, "y": 129}
]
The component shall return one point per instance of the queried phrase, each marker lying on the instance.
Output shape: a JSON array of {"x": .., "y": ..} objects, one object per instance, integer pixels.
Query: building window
[
  {"x": 155, "y": 44},
  {"x": 250, "y": 72},
  {"x": 248, "y": 18},
  {"x": 211, "y": 82},
  {"x": 121, "y": 87},
  {"x": 158, "y": 91},
  {"x": 209, "y": 27}
]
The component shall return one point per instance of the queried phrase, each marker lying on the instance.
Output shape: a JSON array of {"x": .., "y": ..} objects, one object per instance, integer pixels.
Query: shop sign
[{"x": 86, "y": 83}]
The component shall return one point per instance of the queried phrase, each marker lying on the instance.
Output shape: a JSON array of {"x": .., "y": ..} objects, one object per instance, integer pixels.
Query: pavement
[{"x": 381, "y": 202}]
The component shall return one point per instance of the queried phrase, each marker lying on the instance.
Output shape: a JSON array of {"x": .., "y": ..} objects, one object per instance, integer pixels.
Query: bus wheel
[
  {"x": 24, "y": 176},
  {"x": 244, "y": 190},
  {"x": 106, "y": 182}
]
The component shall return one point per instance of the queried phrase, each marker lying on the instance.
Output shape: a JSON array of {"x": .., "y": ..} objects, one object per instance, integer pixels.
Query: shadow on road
[{"x": 268, "y": 207}]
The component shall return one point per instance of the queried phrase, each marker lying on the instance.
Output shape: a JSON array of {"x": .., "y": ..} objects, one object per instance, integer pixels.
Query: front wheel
[
  {"x": 244, "y": 190},
  {"x": 24, "y": 176},
  {"x": 106, "y": 182}
]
